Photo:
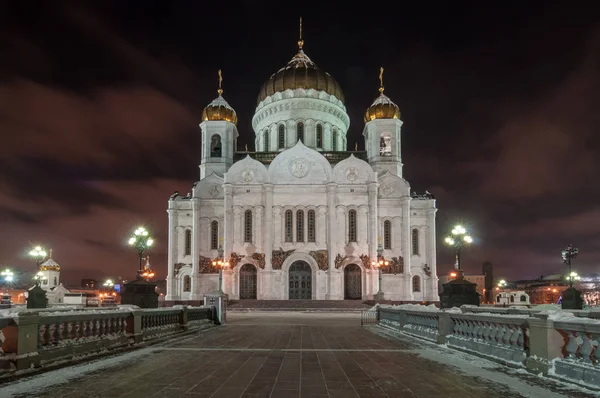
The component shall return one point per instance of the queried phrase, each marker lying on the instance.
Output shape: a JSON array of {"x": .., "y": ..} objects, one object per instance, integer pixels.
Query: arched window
[
  {"x": 214, "y": 235},
  {"x": 334, "y": 140},
  {"x": 385, "y": 145},
  {"x": 352, "y": 226},
  {"x": 523, "y": 298},
  {"x": 188, "y": 242},
  {"x": 387, "y": 234},
  {"x": 300, "y": 132},
  {"x": 281, "y": 137},
  {"x": 311, "y": 226},
  {"x": 415, "y": 242},
  {"x": 187, "y": 283},
  {"x": 215, "y": 146},
  {"x": 288, "y": 225},
  {"x": 55, "y": 281},
  {"x": 319, "y": 136},
  {"x": 266, "y": 141},
  {"x": 248, "y": 226},
  {"x": 299, "y": 226},
  {"x": 416, "y": 283}
]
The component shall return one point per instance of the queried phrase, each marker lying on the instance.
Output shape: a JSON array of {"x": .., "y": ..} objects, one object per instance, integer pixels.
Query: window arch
[
  {"x": 334, "y": 140},
  {"x": 248, "y": 226},
  {"x": 288, "y": 225},
  {"x": 214, "y": 235},
  {"x": 188, "y": 243},
  {"x": 415, "y": 242},
  {"x": 300, "y": 132},
  {"x": 387, "y": 234},
  {"x": 311, "y": 235},
  {"x": 319, "y": 136},
  {"x": 187, "y": 283},
  {"x": 215, "y": 146},
  {"x": 416, "y": 283},
  {"x": 300, "y": 226},
  {"x": 281, "y": 137},
  {"x": 55, "y": 281},
  {"x": 266, "y": 141},
  {"x": 352, "y": 226}
]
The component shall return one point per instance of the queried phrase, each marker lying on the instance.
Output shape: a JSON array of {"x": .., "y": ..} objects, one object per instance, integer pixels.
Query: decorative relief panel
[
  {"x": 247, "y": 175},
  {"x": 396, "y": 266},
  {"x": 205, "y": 266},
  {"x": 279, "y": 257},
  {"x": 320, "y": 257},
  {"x": 339, "y": 259},
  {"x": 178, "y": 267},
  {"x": 260, "y": 259},
  {"x": 214, "y": 191},
  {"x": 386, "y": 189},
  {"x": 234, "y": 260},
  {"x": 352, "y": 174},
  {"x": 299, "y": 167},
  {"x": 366, "y": 260}
]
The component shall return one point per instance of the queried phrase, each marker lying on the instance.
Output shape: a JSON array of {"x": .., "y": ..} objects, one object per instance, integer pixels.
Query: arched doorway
[
  {"x": 248, "y": 282},
  {"x": 352, "y": 282},
  {"x": 300, "y": 281}
]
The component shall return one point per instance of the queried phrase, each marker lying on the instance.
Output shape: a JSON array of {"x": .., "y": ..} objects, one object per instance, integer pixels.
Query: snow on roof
[
  {"x": 384, "y": 100},
  {"x": 50, "y": 263},
  {"x": 220, "y": 101}
]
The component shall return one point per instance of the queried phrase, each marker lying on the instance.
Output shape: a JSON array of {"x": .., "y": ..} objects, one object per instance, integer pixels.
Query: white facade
[{"x": 302, "y": 217}]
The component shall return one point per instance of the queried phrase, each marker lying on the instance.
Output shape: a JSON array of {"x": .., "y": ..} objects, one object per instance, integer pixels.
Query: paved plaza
[{"x": 289, "y": 355}]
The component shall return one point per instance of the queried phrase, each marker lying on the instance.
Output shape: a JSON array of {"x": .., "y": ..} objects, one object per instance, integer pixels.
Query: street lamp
[
  {"x": 109, "y": 284},
  {"x": 380, "y": 263},
  {"x": 8, "y": 278},
  {"x": 502, "y": 284},
  {"x": 221, "y": 264},
  {"x": 142, "y": 242},
  {"x": 39, "y": 254},
  {"x": 573, "y": 277},
  {"x": 568, "y": 255},
  {"x": 458, "y": 238},
  {"x": 39, "y": 277}
]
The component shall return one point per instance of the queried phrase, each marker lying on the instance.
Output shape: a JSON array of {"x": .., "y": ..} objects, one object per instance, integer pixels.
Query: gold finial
[
  {"x": 381, "y": 80},
  {"x": 220, "y": 90},
  {"x": 301, "y": 41},
  {"x": 50, "y": 253}
]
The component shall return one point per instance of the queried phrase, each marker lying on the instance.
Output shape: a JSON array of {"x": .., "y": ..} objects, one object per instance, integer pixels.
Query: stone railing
[
  {"x": 563, "y": 344},
  {"x": 31, "y": 339}
]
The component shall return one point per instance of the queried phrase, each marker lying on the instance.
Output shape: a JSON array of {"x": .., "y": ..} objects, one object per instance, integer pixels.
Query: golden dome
[
  {"x": 382, "y": 107},
  {"x": 219, "y": 109},
  {"x": 300, "y": 72}
]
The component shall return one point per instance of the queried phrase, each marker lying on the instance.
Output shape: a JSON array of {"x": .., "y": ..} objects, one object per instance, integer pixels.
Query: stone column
[
  {"x": 237, "y": 227},
  {"x": 290, "y": 132},
  {"x": 431, "y": 255},
  {"x": 273, "y": 138},
  {"x": 321, "y": 228},
  {"x": 310, "y": 133},
  {"x": 276, "y": 227},
  {"x": 341, "y": 230},
  {"x": 172, "y": 255},
  {"x": 268, "y": 226},
  {"x": 364, "y": 226},
  {"x": 372, "y": 221},
  {"x": 258, "y": 229},
  {"x": 327, "y": 137},
  {"x": 406, "y": 249},
  {"x": 330, "y": 231},
  {"x": 195, "y": 276}
]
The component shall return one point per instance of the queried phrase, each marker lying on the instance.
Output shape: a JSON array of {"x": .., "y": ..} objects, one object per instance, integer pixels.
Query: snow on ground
[{"x": 540, "y": 386}]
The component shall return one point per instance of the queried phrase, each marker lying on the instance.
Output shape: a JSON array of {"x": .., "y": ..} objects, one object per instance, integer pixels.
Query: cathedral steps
[{"x": 298, "y": 305}]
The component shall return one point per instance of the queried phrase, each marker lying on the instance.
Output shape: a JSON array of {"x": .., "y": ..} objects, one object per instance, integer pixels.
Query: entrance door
[
  {"x": 352, "y": 282},
  {"x": 300, "y": 281},
  {"x": 248, "y": 282}
]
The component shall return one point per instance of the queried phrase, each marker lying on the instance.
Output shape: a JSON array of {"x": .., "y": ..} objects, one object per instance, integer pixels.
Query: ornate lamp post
[
  {"x": 142, "y": 242},
  {"x": 381, "y": 262},
  {"x": 39, "y": 254},
  {"x": 458, "y": 239},
  {"x": 571, "y": 298},
  {"x": 39, "y": 277},
  {"x": 502, "y": 284},
  {"x": 221, "y": 264}
]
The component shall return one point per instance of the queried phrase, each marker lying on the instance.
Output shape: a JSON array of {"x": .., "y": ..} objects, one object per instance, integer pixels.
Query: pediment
[
  {"x": 392, "y": 186},
  {"x": 300, "y": 165},
  {"x": 353, "y": 171},
  {"x": 211, "y": 187},
  {"x": 247, "y": 171}
]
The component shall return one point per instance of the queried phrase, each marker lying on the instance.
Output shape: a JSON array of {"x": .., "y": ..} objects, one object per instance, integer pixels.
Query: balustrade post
[
  {"x": 134, "y": 326},
  {"x": 26, "y": 344},
  {"x": 545, "y": 344},
  {"x": 445, "y": 327},
  {"x": 183, "y": 319}
]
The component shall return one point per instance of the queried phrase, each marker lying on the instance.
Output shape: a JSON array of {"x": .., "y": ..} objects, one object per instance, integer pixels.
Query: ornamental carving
[
  {"x": 366, "y": 260},
  {"x": 214, "y": 191},
  {"x": 178, "y": 267},
  {"x": 386, "y": 189},
  {"x": 320, "y": 257},
  {"x": 339, "y": 259},
  {"x": 234, "y": 260},
  {"x": 205, "y": 266},
  {"x": 426, "y": 270},
  {"x": 352, "y": 174},
  {"x": 396, "y": 266},
  {"x": 247, "y": 175},
  {"x": 299, "y": 168},
  {"x": 260, "y": 259},
  {"x": 279, "y": 256}
]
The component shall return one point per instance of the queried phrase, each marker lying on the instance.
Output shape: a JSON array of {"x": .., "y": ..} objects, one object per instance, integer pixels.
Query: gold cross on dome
[
  {"x": 301, "y": 41},
  {"x": 381, "y": 79},
  {"x": 220, "y": 90}
]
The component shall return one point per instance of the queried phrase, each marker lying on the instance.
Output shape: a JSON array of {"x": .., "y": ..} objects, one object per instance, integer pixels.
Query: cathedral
[{"x": 302, "y": 217}]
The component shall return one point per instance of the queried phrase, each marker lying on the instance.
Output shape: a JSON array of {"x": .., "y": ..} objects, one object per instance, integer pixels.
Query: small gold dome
[
  {"x": 382, "y": 108},
  {"x": 219, "y": 109},
  {"x": 300, "y": 72}
]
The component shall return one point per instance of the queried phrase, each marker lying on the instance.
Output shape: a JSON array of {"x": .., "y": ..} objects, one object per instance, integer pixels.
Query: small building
[
  {"x": 508, "y": 299},
  {"x": 479, "y": 280}
]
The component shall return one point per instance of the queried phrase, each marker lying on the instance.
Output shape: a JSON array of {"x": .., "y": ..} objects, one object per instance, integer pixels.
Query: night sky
[{"x": 100, "y": 104}]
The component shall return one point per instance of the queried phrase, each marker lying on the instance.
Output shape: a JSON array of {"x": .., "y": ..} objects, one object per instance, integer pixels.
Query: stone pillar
[
  {"x": 276, "y": 227},
  {"x": 268, "y": 226},
  {"x": 327, "y": 137},
  {"x": 330, "y": 230},
  {"x": 322, "y": 227},
  {"x": 364, "y": 227},
  {"x": 372, "y": 221},
  {"x": 406, "y": 249},
  {"x": 172, "y": 255},
  {"x": 237, "y": 227},
  {"x": 431, "y": 256},
  {"x": 227, "y": 231},
  {"x": 310, "y": 133},
  {"x": 273, "y": 138},
  {"x": 290, "y": 132},
  {"x": 341, "y": 232},
  {"x": 258, "y": 229},
  {"x": 195, "y": 276},
  {"x": 545, "y": 344}
]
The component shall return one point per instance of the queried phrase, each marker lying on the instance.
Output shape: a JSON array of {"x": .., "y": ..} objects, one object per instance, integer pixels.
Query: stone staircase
[{"x": 298, "y": 305}]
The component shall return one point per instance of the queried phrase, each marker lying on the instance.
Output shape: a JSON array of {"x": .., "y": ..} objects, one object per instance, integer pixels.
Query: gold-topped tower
[
  {"x": 219, "y": 109},
  {"x": 382, "y": 107}
]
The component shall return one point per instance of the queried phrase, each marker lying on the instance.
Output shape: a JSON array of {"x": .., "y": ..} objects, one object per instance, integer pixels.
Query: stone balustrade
[
  {"x": 562, "y": 344},
  {"x": 32, "y": 339}
]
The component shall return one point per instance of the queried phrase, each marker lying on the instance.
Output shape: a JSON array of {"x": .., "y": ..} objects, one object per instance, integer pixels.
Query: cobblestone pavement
[{"x": 290, "y": 355}]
